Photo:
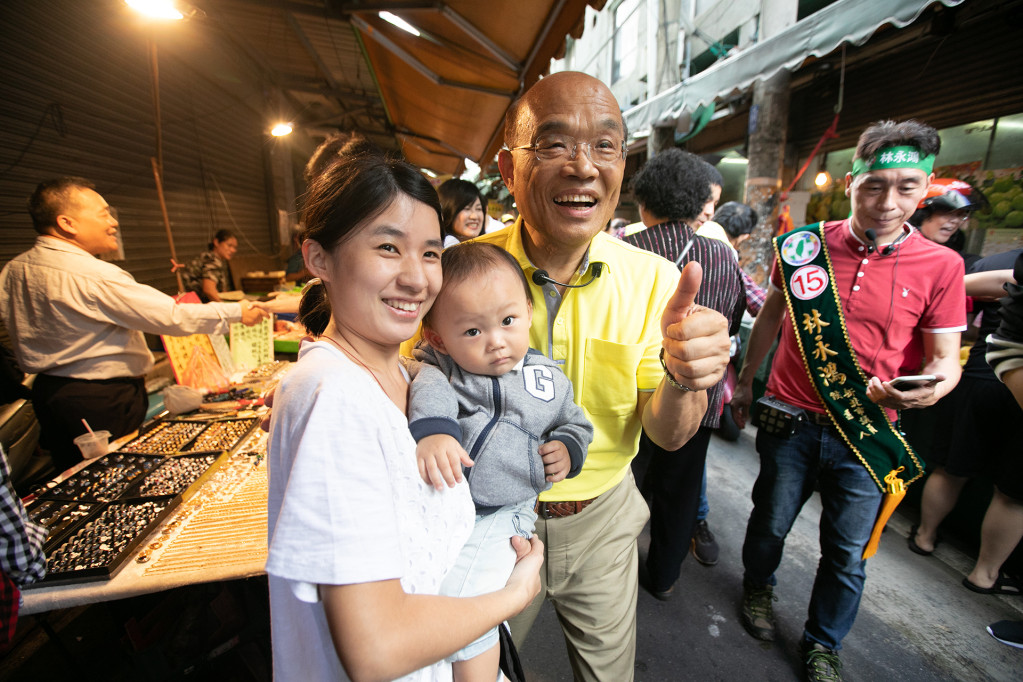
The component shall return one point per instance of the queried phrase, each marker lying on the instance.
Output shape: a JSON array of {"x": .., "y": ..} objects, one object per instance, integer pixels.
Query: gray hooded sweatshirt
[{"x": 500, "y": 421}]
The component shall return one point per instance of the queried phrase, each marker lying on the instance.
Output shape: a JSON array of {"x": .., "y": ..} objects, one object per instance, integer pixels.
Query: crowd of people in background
[{"x": 553, "y": 351}]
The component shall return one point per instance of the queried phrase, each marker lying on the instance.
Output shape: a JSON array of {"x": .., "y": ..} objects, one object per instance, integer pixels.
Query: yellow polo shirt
[
  {"x": 712, "y": 230},
  {"x": 606, "y": 337}
]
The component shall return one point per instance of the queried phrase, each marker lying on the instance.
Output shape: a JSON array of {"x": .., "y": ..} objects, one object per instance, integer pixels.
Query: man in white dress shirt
[{"x": 77, "y": 321}]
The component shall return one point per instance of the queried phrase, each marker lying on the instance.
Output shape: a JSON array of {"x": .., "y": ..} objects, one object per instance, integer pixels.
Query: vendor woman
[{"x": 207, "y": 274}]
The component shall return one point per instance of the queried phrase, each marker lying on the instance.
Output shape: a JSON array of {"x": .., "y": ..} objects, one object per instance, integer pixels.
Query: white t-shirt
[{"x": 347, "y": 505}]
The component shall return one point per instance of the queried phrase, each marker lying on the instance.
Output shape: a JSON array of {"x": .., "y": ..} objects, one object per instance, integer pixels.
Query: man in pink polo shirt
[{"x": 866, "y": 293}]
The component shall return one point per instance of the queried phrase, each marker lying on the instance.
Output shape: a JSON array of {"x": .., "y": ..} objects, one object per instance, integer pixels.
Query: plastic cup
[{"x": 93, "y": 444}]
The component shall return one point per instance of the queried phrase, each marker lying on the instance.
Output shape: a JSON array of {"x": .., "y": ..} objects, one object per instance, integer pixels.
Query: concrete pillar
[
  {"x": 768, "y": 124},
  {"x": 768, "y": 121}
]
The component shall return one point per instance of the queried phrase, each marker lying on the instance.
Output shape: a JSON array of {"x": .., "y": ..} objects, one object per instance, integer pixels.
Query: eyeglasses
[
  {"x": 960, "y": 216},
  {"x": 604, "y": 151}
]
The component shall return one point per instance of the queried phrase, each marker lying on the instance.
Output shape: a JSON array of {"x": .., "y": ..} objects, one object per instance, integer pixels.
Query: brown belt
[{"x": 557, "y": 510}]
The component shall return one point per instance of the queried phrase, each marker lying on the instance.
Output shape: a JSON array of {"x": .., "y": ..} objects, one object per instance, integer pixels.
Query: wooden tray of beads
[{"x": 98, "y": 545}]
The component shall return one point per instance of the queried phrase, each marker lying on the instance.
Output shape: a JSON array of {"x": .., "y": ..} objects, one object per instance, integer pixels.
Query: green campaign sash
[{"x": 808, "y": 281}]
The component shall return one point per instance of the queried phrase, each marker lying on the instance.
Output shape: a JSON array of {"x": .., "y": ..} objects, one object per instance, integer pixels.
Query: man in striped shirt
[{"x": 676, "y": 192}]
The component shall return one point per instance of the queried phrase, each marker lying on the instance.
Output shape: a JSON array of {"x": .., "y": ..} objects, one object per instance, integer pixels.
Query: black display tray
[
  {"x": 222, "y": 435},
  {"x": 138, "y": 489},
  {"x": 96, "y": 547},
  {"x": 105, "y": 478},
  {"x": 180, "y": 475},
  {"x": 57, "y": 516},
  {"x": 165, "y": 438},
  {"x": 173, "y": 436},
  {"x": 72, "y": 524}
]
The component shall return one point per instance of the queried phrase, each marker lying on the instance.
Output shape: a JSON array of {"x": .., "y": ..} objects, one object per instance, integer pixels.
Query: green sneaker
[
  {"x": 822, "y": 664},
  {"x": 758, "y": 611}
]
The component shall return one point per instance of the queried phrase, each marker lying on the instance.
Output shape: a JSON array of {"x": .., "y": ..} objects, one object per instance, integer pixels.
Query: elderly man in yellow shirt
[{"x": 624, "y": 328}]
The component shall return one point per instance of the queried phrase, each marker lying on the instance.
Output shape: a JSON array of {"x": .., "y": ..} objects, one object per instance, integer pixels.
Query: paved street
[{"x": 916, "y": 621}]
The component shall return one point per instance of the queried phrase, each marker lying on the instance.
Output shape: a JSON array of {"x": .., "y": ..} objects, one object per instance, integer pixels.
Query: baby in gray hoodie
[{"x": 483, "y": 400}]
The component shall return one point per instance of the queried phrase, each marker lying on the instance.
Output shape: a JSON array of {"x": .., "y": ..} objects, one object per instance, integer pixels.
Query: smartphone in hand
[{"x": 909, "y": 382}]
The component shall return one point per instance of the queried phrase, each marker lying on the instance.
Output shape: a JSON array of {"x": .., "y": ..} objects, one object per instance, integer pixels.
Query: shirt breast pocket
[{"x": 609, "y": 377}]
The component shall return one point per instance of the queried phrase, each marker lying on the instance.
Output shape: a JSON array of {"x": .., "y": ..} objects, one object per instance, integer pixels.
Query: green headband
[{"x": 896, "y": 157}]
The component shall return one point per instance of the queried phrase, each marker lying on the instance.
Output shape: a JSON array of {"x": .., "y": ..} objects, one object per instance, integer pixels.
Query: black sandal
[
  {"x": 1005, "y": 585},
  {"x": 915, "y": 548}
]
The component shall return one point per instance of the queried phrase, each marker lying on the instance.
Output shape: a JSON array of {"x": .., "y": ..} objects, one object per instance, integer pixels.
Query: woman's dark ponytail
[{"x": 314, "y": 308}]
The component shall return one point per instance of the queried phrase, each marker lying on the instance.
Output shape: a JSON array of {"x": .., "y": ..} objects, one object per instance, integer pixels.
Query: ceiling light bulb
[
  {"x": 281, "y": 129},
  {"x": 156, "y": 9},
  {"x": 399, "y": 22},
  {"x": 822, "y": 179}
]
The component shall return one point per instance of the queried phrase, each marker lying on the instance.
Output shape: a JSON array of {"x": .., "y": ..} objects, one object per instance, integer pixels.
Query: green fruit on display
[
  {"x": 1003, "y": 184},
  {"x": 997, "y": 197},
  {"x": 1014, "y": 219},
  {"x": 1017, "y": 203},
  {"x": 1001, "y": 209}
]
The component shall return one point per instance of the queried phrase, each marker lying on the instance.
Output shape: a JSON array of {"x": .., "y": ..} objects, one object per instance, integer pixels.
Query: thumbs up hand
[{"x": 696, "y": 342}]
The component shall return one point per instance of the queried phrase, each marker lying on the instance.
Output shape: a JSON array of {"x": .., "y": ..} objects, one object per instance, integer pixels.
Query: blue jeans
[
  {"x": 704, "y": 507},
  {"x": 789, "y": 470}
]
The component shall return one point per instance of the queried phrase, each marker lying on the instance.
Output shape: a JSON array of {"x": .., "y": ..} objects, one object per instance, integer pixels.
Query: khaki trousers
[{"x": 590, "y": 575}]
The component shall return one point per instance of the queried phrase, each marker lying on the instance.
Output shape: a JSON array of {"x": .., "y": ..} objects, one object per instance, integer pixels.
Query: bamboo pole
[
  {"x": 154, "y": 66},
  {"x": 166, "y": 219}
]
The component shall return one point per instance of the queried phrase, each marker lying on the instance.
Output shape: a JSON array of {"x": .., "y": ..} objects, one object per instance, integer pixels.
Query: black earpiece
[
  {"x": 872, "y": 238},
  {"x": 540, "y": 277}
]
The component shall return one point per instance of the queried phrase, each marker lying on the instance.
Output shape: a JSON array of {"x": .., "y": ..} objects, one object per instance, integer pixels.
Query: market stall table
[{"x": 218, "y": 533}]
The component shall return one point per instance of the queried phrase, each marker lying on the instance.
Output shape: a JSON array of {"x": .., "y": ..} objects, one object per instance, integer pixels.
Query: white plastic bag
[{"x": 181, "y": 399}]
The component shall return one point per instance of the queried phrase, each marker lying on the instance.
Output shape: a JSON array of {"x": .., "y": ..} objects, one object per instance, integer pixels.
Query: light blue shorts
[{"x": 486, "y": 561}]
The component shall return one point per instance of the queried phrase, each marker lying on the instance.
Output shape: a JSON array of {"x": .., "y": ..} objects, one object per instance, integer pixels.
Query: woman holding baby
[{"x": 358, "y": 542}]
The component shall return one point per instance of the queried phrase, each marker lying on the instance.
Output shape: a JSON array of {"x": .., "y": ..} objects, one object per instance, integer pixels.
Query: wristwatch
[{"x": 669, "y": 377}]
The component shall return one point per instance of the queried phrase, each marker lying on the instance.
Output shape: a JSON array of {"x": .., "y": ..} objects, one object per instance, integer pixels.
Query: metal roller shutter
[{"x": 75, "y": 99}]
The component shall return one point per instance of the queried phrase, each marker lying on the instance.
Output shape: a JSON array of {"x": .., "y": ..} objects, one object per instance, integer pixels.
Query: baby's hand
[
  {"x": 556, "y": 460},
  {"x": 440, "y": 458}
]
